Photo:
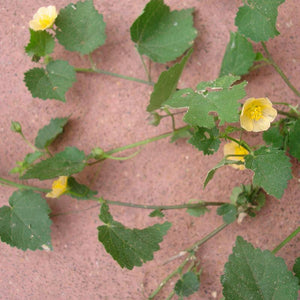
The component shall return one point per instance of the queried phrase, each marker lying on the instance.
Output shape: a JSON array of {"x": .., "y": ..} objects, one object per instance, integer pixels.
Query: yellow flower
[
  {"x": 235, "y": 149},
  {"x": 44, "y": 18},
  {"x": 59, "y": 187},
  {"x": 257, "y": 114}
]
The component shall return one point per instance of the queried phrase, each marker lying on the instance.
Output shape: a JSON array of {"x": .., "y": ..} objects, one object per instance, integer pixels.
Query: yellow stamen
[{"x": 255, "y": 112}]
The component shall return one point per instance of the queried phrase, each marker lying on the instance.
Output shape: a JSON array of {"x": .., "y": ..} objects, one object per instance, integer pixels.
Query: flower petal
[{"x": 246, "y": 122}]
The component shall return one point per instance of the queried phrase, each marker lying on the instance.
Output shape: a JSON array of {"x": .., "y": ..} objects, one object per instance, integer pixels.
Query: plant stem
[
  {"x": 191, "y": 251},
  {"x": 258, "y": 66},
  {"x": 29, "y": 143},
  {"x": 196, "y": 245},
  {"x": 164, "y": 282},
  {"x": 48, "y": 151},
  {"x": 202, "y": 204},
  {"x": 133, "y": 205},
  {"x": 140, "y": 143},
  {"x": 93, "y": 65},
  {"x": 99, "y": 71},
  {"x": 279, "y": 71},
  {"x": 73, "y": 211},
  {"x": 284, "y": 242},
  {"x": 22, "y": 186},
  {"x": 130, "y": 146},
  {"x": 189, "y": 268},
  {"x": 171, "y": 295},
  {"x": 281, "y": 103},
  {"x": 241, "y": 143},
  {"x": 165, "y": 207},
  {"x": 288, "y": 114},
  {"x": 145, "y": 68},
  {"x": 173, "y": 114},
  {"x": 172, "y": 117}
]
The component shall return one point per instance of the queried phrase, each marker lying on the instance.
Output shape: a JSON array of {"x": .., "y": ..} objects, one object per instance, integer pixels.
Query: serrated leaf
[
  {"x": 182, "y": 133},
  {"x": 206, "y": 140},
  {"x": 41, "y": 44},
  {"x": 65, "y": 163},
  {"x": 187, "y": 285},
  {"x": 129, "y": 247},
  {"x": 228, "y": 211},
  {"x": 156, "y": 213},
  {"x": 293, "y": 141},
  {"x": 197, "y": 211},
  {"x": 273, "y": 137},
  {"x": 222, "y": 163},
  {"x": 29, "y": 159},
  {"x": 272, "y": 170},
  {"x": 80, "y": 27},
  {"x": 167, "y": 83},
  {"x": 48, "y": 133},
  {"x": 296, "y": 269},
  {"x": 163, "y": 35},
  {"x": 223, "y": 82},
  {"x": 79, "y": 191},
  {"x": 25, "y": 224},
  {"x": 239, "y": 56},
  {"x": 255, "y": 274},
  {"x": 216, "y": 96},
  {"x": 52, "y": 82},
  {"x": 257, "y": 19}
]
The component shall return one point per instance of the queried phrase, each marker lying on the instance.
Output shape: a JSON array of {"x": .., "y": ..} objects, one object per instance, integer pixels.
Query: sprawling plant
[{"x": 212, "y": 111}]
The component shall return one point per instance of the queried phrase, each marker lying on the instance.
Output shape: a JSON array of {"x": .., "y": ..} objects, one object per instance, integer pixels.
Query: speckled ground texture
[{"x": 110, "y": 112}]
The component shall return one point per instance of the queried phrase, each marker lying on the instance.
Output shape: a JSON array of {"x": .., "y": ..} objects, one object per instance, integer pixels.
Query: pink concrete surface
[{"x": 110, "y": 112}]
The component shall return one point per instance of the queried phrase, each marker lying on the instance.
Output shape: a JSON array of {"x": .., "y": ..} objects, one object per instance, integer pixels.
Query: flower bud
[
  {"x": 16, "y": 127},
  {"x": 97, "y": 153},
  {"x": 154, "y": 119}
]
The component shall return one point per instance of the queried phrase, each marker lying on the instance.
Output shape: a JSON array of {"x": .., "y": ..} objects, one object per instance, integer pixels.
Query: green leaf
[
  {"x": 29, "y": 159},
  {"x": 273, "y": 137},
  {"x": 129, "y": 247},
  {"x": 187, "y": 285},
  {"x": 156, "y": 213},
  {"x": 272, "y": 170},
  {"x": 255, "y": 274},
  {"x": 257, "y": 19},
  {"x": 65, "y": 163},
  {"x": 198, "y": 211},
  {"x": 228, "y": 211},
  {"x": 167, "y": 83},
  {"x": 239, "y": 56},
  {"x": 80, "y": 27},
  {"x": 222, "y": 163},
  {"x": 293, "y": 141},
  {"x": 296, "y": 268},
  {"x": 215, "y": 96},
  {"x": 41, "y": 44},
  {"x": 52, "y": 82},
  {"x": 206, "y": 140},
  {"x": 163, "y": 35},
  {"x": 182, "y": 133},
  {"x": 25, "y": 224},
  {"x": 48, "y": 133},
  {"x": 79, "y": 191}
]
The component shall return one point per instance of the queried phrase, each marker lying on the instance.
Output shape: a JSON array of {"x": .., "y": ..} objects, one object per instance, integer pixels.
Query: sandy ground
[{"x": 110, "y": 112}]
